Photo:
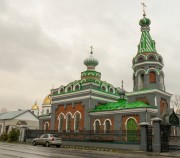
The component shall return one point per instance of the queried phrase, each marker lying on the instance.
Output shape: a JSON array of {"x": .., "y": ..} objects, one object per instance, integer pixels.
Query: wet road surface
[{"x": 9, "y": 150}]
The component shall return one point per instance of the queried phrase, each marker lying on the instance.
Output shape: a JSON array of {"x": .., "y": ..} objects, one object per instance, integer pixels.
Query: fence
[{"x": 123, "y": 136}]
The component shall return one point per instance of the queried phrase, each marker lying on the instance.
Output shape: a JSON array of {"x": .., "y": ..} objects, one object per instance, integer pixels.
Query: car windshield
[{"x": 54, "y": 135}]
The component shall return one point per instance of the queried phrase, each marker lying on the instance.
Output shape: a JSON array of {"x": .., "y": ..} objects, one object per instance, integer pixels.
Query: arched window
[
  {"x": 111, "y": 90},
  {"x": 107, "y": 126},
  {"x": 77, "y": 121},
  {"x": 62, "y": 90},
  {"x": 69, "y": 89},
  {"x": 42, "y": 111},
  {"x": 97, "y": 127},
  {"x": 103, "y": 88},
  {"x": 140, "y": 59},
  {"x": 152, "y": 58},
  {"x": 46, "y": 126},
  {"x": 61, "y": 122},
  {"x": 141, "y": 81},
  {"x": 68, "y": 123},
  {"x": 152, "y": 77},
  {"x": 77, "y": 87},
  {"x": 47, "y": 111}
]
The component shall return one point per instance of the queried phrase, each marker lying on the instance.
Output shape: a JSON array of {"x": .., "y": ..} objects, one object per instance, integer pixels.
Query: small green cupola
[{"x": 91, "y": 62}]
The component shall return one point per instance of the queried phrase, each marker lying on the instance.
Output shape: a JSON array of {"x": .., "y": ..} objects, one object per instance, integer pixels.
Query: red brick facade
[{"x": 70, "y": 109}]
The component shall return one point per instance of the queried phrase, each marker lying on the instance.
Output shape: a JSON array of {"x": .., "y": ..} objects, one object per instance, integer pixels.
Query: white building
[{"x": 15, "y": 119}]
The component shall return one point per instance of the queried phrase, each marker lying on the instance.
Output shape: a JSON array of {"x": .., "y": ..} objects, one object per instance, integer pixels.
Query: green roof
[{"x": 121, "y": 104}]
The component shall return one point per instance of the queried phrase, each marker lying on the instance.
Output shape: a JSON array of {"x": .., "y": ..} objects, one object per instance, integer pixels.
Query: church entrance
[{"x": 132, "y": 130}]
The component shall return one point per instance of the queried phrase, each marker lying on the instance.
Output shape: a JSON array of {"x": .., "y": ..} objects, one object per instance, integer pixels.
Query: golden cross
[
  {"x": 143, "y": 4},
  {"x": 91, "y": 49}
]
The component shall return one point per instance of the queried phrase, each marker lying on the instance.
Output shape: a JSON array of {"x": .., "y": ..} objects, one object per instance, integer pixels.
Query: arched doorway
[{"x": 131, "y": 128}]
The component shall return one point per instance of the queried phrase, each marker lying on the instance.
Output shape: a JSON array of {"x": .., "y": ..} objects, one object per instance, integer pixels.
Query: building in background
[
  {"x": 16, "y": 119},
  {"x": 45, "y": 117}
]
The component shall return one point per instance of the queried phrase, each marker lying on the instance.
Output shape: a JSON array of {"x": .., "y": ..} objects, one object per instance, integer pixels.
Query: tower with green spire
[
  {"x": 147, "y": 64},
  {"x": 148, "y": 75}
]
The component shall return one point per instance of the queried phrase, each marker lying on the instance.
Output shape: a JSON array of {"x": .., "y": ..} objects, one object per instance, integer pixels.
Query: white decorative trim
[
  {"x": 113, "y": 89},
  {"x": 136, "y": 73},
  {"x": 151, "y": 54},
  {"x": 129, "y": 119},
  {"x": 107, "y": 120},
  {"x": 70, "y": 114},
  {"x": 45, "y": 125},
  {"x": 155, "y": 100},
  {"x": 59, "y": 119},
  {"x": 92, "y": 83},
  {"x": 62, "y": 114},
  {"x": 105, "y": 124},
  {"x": 123, "y": 111},
  {"x": 152, "y": 69},
  {"x": 141, "y": 55},
  {"x": 106, "y": 88},
  {"x": 94, "y": 124},
  {"x": 96, "y": 121},
  {"x": 147, "y": 92},
  {"x": 78, "y": 113},
  {"x": 148, "y": 62},
  {"x": 85, "y": 91},
  {"x": 67, "y": 119},
  {"x": 74, "y": 86},
  {"x": 83, "y": 98},
  {"x": 69, "y": 86}
]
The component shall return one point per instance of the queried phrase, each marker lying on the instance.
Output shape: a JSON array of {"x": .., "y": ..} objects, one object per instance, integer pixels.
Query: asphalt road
[{"x": 9, "y": 150}]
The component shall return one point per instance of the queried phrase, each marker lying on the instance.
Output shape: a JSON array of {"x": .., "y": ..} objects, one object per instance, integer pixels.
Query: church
[{"x": 92, "y": 104}]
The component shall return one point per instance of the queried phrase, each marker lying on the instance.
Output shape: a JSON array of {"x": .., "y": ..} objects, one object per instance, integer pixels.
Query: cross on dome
[
  {"x": 91, "y": 49},
  {"x": 143, "y": 4}
]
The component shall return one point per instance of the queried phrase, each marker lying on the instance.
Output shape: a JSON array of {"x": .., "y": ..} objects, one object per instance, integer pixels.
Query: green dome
[
  {"x": 91, "y": 62},
  {"x": 145, "y": 22}
]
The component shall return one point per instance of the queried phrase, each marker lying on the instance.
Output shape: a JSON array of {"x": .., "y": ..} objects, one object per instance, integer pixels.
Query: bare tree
[{"x": 175, "y": 102}]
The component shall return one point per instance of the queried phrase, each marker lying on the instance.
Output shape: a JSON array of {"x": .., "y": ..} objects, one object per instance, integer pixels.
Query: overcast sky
[{"x": 44, "y": 43}]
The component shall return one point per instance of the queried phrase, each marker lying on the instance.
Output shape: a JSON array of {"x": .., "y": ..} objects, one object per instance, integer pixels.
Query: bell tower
[
  {"x": 147, "y": 64},
  {"x": 148, "y": 75}
]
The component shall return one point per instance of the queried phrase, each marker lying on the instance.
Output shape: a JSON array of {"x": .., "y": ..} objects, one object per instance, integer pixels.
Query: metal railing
[{"x": 123, "y": 136}]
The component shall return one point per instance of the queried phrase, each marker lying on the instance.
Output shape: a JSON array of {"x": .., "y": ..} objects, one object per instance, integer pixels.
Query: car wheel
[
  {"x": 47, "y": 144},
  {"x": 58, "y": 146},
  {"x": 34, "y": 143}
]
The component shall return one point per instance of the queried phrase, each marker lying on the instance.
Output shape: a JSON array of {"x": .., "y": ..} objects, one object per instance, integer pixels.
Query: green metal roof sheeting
[{"x": 121, "y": 104}]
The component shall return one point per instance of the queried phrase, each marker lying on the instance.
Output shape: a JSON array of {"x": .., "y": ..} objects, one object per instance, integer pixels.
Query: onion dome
[
  {"x": 145, "y": 22},
  {"x": 47, "y": 100},
  {"x": 35, "y": 106},
  {"x": 91, "y": 62}
]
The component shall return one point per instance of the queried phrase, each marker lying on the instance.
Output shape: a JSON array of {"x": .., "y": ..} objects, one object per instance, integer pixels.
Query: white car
[{"x": 48, "y": 140}]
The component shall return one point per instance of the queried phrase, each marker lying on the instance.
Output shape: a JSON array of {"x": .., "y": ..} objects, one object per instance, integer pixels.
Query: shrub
[
  {"x": 4, "y": 137},
  {"x": 13, "y": 135}
]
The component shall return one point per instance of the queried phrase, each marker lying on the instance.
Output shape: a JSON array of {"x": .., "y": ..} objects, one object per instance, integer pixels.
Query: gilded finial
[{"x": 144, "y": 12}]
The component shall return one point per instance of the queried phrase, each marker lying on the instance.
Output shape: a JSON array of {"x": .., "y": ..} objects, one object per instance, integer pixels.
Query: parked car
[{"x": 48, "y": 140}]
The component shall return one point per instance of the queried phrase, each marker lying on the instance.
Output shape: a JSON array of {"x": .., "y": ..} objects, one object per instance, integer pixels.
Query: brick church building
[{"x": 96, "y": 105}]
